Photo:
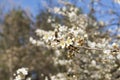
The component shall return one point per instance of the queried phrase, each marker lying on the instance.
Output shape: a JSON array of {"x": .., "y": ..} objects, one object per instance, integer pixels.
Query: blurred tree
[
  {"x": 16, "y": 28},
  {"x": 15, "y": 33},
  {"x": 17, "y": 50},
  {"x": 41, "y": 20}
]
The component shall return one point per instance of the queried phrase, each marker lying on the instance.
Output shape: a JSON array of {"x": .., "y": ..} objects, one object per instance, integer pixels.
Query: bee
[
  {"x": 114, "y": 51},
  {"x": 72, "y": 48},
  {"x": 80, "y": 42},
  {"x": 56, "y": 34},
  {"x": 56, "y": 40}
]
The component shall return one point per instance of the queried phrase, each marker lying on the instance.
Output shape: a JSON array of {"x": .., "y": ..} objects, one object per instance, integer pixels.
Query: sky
[
  {"x": 30, "y": 5},
  {"x": 34, "y": 6}
]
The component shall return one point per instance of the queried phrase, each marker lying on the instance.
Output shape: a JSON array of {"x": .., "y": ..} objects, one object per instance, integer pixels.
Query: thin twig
[{"x": 91, "y": 48}]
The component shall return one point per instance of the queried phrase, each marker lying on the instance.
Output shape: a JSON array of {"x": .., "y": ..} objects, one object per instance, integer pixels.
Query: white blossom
[
  {"x": 93, "y": 62},
  {"x": 33, "y": 41},
  {"x": 91, "y": 44},
  {"x": 107, "y": 51},
  {"x": 21, "y": 73},
  {"x": 71, "y": 15},
  {"x": 23, "y": 70},
  {"x": 59, "y": 76},
  {"x": 62, "y": 44},
  {"x": 118, "y": 56},
  {"x": 56, "y": 9},
  {"x": 69, "y": 42},
  {"x": 117, "y": 1}
]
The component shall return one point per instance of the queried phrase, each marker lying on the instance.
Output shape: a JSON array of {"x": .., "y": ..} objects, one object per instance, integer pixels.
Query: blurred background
[{"x": 20, "y": 18}]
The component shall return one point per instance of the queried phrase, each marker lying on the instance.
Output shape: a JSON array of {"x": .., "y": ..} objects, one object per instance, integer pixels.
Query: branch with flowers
[{"x": 92, "y": 59}]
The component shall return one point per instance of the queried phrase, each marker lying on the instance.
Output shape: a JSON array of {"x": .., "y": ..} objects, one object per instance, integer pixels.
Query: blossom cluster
[
  {"x": 62, "y": 37},
  {"x": 21, "y": 74},
  {"x": 73, "y": 16},
  {"x": 95, "y": 57},
  {"x": 62, "y": 76}
]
